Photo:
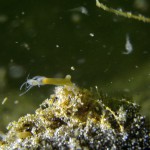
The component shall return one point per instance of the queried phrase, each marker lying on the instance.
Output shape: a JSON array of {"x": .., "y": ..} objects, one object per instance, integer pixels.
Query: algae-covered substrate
[{"x": 79, "y": 119}]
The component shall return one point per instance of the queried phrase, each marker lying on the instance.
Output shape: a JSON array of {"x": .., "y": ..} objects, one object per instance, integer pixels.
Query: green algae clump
[{"x": 74, "y": 118}]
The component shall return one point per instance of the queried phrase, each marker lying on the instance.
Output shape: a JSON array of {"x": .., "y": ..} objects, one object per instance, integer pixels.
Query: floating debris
[{"x": 4, "y": 100}]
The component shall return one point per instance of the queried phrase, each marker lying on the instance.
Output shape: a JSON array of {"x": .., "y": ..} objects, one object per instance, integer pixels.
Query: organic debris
[{"x": 74, "y": 118}]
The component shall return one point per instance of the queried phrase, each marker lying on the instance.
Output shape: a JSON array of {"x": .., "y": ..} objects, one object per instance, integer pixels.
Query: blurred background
[{"x": 48, "y": 37}]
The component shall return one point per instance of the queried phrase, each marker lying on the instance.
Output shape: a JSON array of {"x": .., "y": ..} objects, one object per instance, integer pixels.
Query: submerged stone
[{"x": 74, "y": 118}]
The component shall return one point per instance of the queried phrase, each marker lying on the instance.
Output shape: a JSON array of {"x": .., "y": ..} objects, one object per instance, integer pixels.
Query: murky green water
[{"x": 48, "y": 37}]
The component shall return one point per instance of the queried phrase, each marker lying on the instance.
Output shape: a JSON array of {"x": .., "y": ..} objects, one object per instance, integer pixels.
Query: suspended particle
[
  {"x": 57, "y": 46},
  {"x": 4, "y": 100},
  {"x": 91, "y": 34},
  {"x": 72, "y": 68}
]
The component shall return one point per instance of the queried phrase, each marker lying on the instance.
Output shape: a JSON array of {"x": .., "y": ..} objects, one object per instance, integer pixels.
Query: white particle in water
[
  {"x": 4, "y": 100},
  {"x": 16, "y": 102},
  {"x": 23, "y": 13},
  {"x": 25, "y": 45},
  {"x": 11, "y": 60},
  {"x": 91, "y": 34},
  {"x": 57, "y": 46},
  {"x": 72, "y": 68}
]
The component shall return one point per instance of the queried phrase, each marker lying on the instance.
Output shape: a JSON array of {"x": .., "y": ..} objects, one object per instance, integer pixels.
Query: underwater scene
[{"x": 101, "y": 46}]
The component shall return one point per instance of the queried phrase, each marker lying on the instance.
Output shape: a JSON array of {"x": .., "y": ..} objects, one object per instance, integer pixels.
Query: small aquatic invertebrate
[
  {"x": 41, "y": 80},
  {"x": 128, "y": 45},
  {"x": 80, "y": 9}
]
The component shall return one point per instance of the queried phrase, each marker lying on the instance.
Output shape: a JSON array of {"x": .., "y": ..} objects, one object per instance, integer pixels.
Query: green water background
[{"x": 48, "y": 37}]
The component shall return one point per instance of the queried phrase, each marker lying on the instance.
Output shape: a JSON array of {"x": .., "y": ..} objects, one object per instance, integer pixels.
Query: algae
[
  {"x": 76, "y": 118},
  {"x": 122, "y": 13}
]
